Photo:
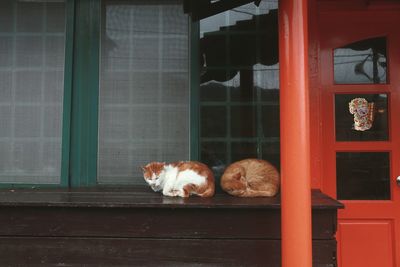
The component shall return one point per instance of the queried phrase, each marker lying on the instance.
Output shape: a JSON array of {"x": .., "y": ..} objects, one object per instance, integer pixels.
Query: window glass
[
  {"x": 239, "y": 85},
  {"x": 363, "y": 175},
  {"x": 361, "y": 62},
  {"x": 32, "y": 43},
  {"x": 144, "y": 88}
]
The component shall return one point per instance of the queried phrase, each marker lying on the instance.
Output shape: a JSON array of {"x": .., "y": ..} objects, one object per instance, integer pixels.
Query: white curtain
[
  {"x": 144, "y": 91},
  {"x": 32, "y": 37}
]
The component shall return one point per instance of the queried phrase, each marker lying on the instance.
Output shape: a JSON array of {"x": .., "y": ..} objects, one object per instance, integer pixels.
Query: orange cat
[
  {"x": 182, "y": 178},
  {"x": 251, "y": 178}
]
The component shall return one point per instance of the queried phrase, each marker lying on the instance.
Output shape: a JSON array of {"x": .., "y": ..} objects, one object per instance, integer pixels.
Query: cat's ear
[{"x": 237, "y": 176}]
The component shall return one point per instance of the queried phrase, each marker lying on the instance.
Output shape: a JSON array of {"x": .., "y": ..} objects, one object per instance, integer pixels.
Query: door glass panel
[
  {"x": 361, "y": 117},
  {"x": 362, "y": 62},
  {"x": 363, "y": 175}
]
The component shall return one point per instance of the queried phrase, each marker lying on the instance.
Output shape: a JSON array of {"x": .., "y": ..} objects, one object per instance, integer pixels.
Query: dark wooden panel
[
  {"x": 147, "y": 252},
  {"x": 153, "y": 222},
  {"x": 324, "y": 224},
  {"x": 160, "y": 223}
]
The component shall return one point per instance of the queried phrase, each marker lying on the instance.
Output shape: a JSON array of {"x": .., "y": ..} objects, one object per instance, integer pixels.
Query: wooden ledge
[{"x": 142, "y": 197}]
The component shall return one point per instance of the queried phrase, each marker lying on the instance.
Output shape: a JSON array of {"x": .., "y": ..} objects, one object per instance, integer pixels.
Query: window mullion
[
  {"x": 194, "y": 91},
  {"x": 69, "y": 44},
  {"x": 85, "y": 94}
]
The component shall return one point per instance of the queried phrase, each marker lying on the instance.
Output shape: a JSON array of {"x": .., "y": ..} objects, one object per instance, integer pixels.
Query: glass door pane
[
  {"x": 362, "y": 62},
  {"x": 363, "y": 175}
]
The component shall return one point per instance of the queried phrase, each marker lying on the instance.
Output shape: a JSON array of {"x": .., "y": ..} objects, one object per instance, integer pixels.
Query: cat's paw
[{"x": 171, "y": 193}]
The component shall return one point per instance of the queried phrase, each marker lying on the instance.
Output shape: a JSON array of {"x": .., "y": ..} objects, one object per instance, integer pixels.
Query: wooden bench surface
[{"x": 141, "y": 197}]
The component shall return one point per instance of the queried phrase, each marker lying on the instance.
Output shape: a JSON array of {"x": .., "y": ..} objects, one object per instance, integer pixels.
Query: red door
[{"x": 360, "y": 108}]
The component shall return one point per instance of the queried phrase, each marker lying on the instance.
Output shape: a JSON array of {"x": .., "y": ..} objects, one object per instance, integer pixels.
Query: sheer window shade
[
  {"x": 32, "y": 37},
  {"x": 144, "y": 88}
]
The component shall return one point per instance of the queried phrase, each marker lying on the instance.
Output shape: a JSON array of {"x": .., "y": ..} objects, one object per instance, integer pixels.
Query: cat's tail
[
  {"x": 204, "y": 190},
  {"x": 209, "y": 192}
]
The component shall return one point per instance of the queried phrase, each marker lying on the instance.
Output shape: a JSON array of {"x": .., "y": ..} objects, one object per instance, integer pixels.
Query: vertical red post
[{"x": 295, "y": 134}]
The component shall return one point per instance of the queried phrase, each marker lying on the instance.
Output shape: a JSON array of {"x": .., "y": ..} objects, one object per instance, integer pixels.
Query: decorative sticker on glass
[
  {"x": 361, "y": 117},
  {"x": 363, "y": 113}
]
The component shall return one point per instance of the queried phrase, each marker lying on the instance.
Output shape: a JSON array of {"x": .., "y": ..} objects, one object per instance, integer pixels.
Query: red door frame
[{"x": 358, "y": 212}]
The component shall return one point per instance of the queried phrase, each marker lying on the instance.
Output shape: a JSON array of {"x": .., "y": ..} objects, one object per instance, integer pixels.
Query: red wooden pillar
[{"x": 295, "y": 134}]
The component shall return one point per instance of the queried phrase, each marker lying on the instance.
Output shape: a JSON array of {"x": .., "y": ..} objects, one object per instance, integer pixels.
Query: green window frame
[{"x": 83, "y": 121}]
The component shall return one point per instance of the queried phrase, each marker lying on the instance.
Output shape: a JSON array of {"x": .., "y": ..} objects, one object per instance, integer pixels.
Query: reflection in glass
[
  {"x": 361, "y": 62},
  {"x": 344, "y": 120},
  {"x": 270, "y": 120},
  {"x": 213, "y": 121},
  {"x": 239, "y": 75},
  {"x": 241, "y": 150},
  {"x": 271, "y": 152},
  {"x": 216, "y": 92},
  {"x": 214, "y": 154},
  {"x": 244, "y": 121},
  {"x": 363, "y": 175}
]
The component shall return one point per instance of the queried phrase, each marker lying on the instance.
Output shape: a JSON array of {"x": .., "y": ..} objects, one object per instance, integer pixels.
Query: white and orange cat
[
  {"x": 251, "y": 178},
  {"x": 182, "y": 178}
]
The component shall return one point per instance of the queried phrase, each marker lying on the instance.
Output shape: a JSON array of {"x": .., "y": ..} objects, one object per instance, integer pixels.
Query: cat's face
[
  {"x": 152, "y": 173},
  {"x": 236, "y": 183}
]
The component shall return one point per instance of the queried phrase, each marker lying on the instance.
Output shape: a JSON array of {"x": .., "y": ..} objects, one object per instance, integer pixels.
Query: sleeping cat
[
  {"x": 182, "y": 178},
  {"x": 251, "y": 178}
]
